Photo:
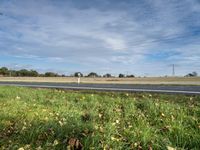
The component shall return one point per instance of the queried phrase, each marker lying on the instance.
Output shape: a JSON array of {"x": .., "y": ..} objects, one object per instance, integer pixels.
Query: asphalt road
[{"x": 173, "y": 89}]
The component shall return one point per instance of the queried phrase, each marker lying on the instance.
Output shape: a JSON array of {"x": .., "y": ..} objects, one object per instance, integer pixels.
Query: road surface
[{"x": 176, "y": 89}]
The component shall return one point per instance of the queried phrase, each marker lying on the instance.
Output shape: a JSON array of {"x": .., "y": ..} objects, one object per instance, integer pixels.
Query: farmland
[
  {"x": 112, "y": 80},
  {"x": 56, "y": 119}
]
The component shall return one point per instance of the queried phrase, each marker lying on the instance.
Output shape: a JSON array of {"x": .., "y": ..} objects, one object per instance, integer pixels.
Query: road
[{"x": 173, "y": 89}]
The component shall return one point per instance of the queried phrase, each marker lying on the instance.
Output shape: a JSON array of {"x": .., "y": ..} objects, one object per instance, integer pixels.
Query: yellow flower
[
  {"x": 21, "y": 148},
  {"x": 18, "y": 98},
  {"x": 61, "y": 124},
  {"x": 55, "y": 142},
  {"x": 162, "y": 114},
  {"x": 117, "y": 121}
]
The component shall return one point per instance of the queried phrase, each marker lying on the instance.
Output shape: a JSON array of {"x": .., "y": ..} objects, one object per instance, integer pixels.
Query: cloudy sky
[{"x": 142, "y": 37}]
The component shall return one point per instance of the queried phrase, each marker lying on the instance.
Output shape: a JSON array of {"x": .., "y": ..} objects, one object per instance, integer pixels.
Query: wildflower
[
  {"x": 23, "y": 128},
  {"x": 39, "y": 148},
  {"x": 130, "y": 126},
  {"x": 21, "y": 148},
  {"x": 61, "y": 124},
  {"x": 117, "y": 121},
  {"x": 115, "y": 139},
  {"x": 162, "y": 114},
  {"x": 127, "y": 94},
  {"x": 55, "y": 142},
  {"x": 18, "y": 98},
  {"x": 113, "y": 123},
  {"x": 100, "y": 115},
  {"x": 170, "y": 148},
  {"x": 101, "y": 129}
]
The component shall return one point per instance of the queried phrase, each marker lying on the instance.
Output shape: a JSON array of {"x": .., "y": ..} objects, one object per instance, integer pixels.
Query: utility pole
[{"x": 173, "y": 70}]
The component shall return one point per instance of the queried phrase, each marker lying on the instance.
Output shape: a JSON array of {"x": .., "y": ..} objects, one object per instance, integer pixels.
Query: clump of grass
[{"x": 55, "y": 119}]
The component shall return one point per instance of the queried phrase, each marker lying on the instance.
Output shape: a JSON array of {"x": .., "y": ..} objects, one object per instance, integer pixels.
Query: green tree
[
  {"x": 4, "y": 71},
  {"x": 121, "y": 75},
  {"x": 92, "y": 74},
  {"x": 50, "y": 74},
  {"x": 77, "y": 74},
  {"x": 107, "y": 75}
]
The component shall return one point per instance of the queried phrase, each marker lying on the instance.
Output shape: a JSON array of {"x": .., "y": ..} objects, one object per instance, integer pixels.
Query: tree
[
  {"x": 107, "y": 75},
  {"x": 33, "y": 73},
  {"x": 121, "y": 75},
  {"x": 130, "y": 76},
  {"x": 92, "y": 74},
  {"x": 4, "y": 71},
  {"x": 50, "y": 74},
  {"x": 193, "y": 74},
  {"x": 78, "y": 74}
]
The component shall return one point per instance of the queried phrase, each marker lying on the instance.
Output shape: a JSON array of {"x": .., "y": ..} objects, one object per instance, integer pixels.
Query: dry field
[{"x": 148, "y": 80}]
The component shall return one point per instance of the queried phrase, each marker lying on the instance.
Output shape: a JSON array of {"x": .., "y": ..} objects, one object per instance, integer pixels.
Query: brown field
[{"x": 147, "y": 80}]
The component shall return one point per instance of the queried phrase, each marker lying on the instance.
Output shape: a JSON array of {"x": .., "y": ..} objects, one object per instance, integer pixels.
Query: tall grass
[{"x": 55, "y": 119}]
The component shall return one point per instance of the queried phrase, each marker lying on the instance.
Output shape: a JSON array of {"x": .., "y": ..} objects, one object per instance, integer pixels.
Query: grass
[
  {"x": 55, "y": 119},
  {"x": 137, "y": 80}
]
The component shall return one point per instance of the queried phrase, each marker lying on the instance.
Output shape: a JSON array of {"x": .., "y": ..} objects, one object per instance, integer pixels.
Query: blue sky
[{"x": 142, "y": 37}]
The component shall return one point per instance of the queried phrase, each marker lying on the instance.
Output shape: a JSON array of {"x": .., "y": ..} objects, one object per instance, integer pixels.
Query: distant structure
[{"x": 173, "y": 70}]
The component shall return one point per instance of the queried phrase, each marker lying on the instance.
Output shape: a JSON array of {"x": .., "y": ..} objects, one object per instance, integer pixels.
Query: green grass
[{"x": 54, "y": 119}]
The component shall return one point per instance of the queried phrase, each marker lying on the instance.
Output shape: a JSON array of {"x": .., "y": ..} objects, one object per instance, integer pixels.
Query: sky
[{"x": 140, "y": 37}]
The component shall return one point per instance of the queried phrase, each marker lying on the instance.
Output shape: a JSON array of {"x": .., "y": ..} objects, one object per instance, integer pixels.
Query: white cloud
[{"x": 96, "y": 37}]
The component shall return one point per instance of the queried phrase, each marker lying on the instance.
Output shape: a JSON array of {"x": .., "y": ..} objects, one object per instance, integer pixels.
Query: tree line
[{"x": 33, "y": 73}]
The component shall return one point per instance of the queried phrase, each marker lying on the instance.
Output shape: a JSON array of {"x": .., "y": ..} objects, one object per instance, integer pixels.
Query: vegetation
[
  {"x": 55, "y": 119},
  {"x": 193, "y": 74},
  {"x": 121, "y": 75},
  {"x": 93, "y": 74},
  {"x": 78, "y": 74},
  {"x": 107, "y": 75}
]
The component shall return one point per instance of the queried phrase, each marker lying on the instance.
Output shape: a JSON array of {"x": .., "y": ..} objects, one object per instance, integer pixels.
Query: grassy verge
[{"x": 54, "y": 119}]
